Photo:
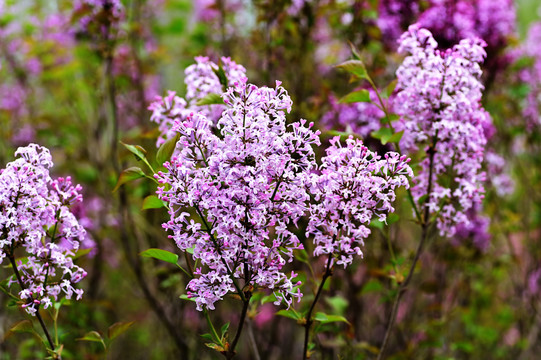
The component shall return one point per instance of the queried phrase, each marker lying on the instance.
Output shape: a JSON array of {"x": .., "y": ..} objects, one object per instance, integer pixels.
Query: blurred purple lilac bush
[{"x": 326, "y": 180}]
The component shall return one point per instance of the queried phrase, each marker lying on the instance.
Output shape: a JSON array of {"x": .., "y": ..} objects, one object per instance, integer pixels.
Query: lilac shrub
[
  {"x": 243, "y": 188},
  {"x": 439, "y": 101},
  {"x": 35, "y": 216}
]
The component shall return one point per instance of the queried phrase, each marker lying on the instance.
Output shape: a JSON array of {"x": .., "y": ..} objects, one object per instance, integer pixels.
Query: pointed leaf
[
  {"x": 24, "y": 326},
  {"x": 396, "y": 137},
  {"x": 391, "y": 118},
  {"x": 93, "y": 336},
  {"x": 302, "y": 256},
  {"x": 208, "y": 337},
  {"x": 388, "y": 91},
  {"x": 386, "y": 135},
  {"x": 220, "y": 73},
  {"x": 355, "y": 67},
  {"x": 289, "y": 314},
  {"x": 357, "y": 96},
  {"x": 211, "y": 99},
  {"x": 128, "y": 175},
  {"x": 118, "y": 328},
  {"x": 215, "y": 347},
  {"x": 224, "y": 329},
  {"x": 152, "y": 202},
  {"x": 326, "y": 318},
  {"x": 160, "y": 254},
  {"x": 269, "y": 298},
  {"x": 167, "y": 149},
  {"x": 138, "y": 151}
]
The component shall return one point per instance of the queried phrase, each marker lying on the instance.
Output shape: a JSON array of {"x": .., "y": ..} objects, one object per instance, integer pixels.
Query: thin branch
[
  {"x": 309, "y": 321},
  {"x": 230, "y": 353},
  {"x": 424, "y": 235}
]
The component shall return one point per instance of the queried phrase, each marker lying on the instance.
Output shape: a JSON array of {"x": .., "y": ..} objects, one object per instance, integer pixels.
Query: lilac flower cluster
[
  {"x": 201, "y": 80},
  {"x": 439, "y": 101},
  {"x": 451, "y": 20},
  {"x": 475, "y": 230},
  {"x": 360, "y": 118},
  {"x": 355, "y": 185},
  {"x": 243, "y": 189},
  {"x": 35, "y": 216}
]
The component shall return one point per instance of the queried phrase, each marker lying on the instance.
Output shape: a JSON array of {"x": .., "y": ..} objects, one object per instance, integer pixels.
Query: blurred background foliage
[{"x": 78, "y": 80}]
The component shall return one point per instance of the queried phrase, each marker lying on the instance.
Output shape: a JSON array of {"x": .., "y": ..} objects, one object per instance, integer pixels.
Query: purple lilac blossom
[
  {"x": 35, "y": 216},
  {"x": 439, "y": 102},
  {"x": 451, "y": 20},
  {"x": 247, "y": 186},
  {"x": 355, "y": 185},
  {"x": 360, "y": 118},
  {"x": 200, "y": 81},
  {"x": 476, "y": 230}
]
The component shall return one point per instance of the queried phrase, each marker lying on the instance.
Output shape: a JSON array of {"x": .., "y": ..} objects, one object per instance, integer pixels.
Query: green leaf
[
  {"x": 372, "y": 286},
  {"x": 357, "y": 96},
  {"x": 389, "y": 89},
  {"x": 215, "y": 347},
  {"x": 23, "y": 326},
  {"x": 385, "y": 135},
  {"x": 302, "y": 256},
  {"x": 355, "y": 67},
  {"x": 338, "y": 303},
  {"x": 208, "y": 337},
  {"x": 422, "y": 199},
  {"x": 167, "y": 149},
  {"x": 138, "y": 151},
  {"x": 93, "y": 336},
  {"x": 391, "y": 118},
  {"x": 354, "y": 51},
  {"x": 377, "y": 224},
  {"x": 392, "y": 218},
  {"x": 396, "y": 137},
  {"x": 211, "y": 99},
  {"x": 128, "y": 175},
  {"x": 268, "y": 299},
  {"x": 152, "y": 202},
  {"x": 220, "y": 73},
  {"x": 160, "y": 254},
  {"x": 118, "y": 328},
  {"x": 326, "y": 318},
  {"x": 81, "y": 252},
  {"x": 289, "y": 314},
  {"x": 224, "y": 329}
]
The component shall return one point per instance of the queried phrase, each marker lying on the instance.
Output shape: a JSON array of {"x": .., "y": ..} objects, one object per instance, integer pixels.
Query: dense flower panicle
[
  {"x": 361, "y": 118},
  {"x": 438, "y": 99},
  {"x": 243, "y": 188},
  {"x": 355, "y": 185},
  {"x": 451, "y": 20},
  {"x": 394, "y": 17},
  {"x": 475, "y": 230},
  {"x": 201, "y": 79},
  {"x": 35, "y": 215}
]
